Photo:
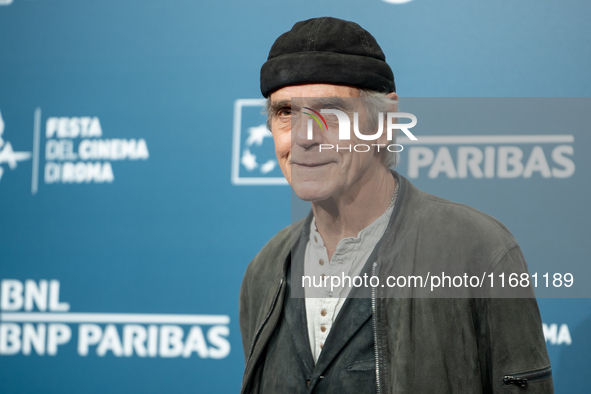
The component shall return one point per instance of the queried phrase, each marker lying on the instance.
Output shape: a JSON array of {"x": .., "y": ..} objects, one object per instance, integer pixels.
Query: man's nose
[{"x": 306, "y": 133}]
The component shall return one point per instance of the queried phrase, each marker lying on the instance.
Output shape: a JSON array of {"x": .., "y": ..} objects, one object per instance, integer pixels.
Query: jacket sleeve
[
  {"x": 244, "y": 316},
  {"x": 512, "y": 349}
]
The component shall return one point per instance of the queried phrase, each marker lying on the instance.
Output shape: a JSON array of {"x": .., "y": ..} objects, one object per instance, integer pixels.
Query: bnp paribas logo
[{"x": 9, "y": 158}]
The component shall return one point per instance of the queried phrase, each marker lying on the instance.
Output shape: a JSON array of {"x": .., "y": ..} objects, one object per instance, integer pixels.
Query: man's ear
[
  {"x": 382, "y": 139},
  {"x": 393, "y": 96}
]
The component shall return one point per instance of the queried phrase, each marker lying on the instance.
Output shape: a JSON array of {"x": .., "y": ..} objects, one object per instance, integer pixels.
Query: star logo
[
  {"x": 249, "y": 160},
  {"x": 7, "y": 154},
  {"x": 256, "y": 136},
  {"x": 253, "y": 158}
]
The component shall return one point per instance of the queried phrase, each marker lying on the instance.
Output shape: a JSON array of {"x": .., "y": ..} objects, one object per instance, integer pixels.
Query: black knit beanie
[{"x": 326, "y": 50}]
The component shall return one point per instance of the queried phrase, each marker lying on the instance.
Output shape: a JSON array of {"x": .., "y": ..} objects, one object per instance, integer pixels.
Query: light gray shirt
[{"x": 323, "y": 303}]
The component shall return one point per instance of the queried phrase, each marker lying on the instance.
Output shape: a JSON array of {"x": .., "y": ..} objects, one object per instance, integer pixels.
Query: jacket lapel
[
  {"x": 295, "y": 312},
  {"x": 354, "y": 313},
  {"x": 295, "y": 315}
]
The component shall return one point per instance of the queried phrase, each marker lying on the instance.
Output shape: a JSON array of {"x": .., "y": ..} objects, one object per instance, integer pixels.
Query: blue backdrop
[{"x": 129, "y": 212}]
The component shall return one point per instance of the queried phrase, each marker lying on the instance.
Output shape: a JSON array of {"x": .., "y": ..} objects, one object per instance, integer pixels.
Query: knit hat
[{"x": 326, "y": 50}]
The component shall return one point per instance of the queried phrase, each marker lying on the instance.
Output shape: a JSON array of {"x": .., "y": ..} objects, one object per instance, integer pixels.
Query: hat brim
[{"x": 326, "y": 67}]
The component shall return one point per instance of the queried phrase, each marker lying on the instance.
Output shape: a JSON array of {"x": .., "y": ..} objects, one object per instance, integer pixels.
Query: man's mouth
[{"x": 310, "y": 165}]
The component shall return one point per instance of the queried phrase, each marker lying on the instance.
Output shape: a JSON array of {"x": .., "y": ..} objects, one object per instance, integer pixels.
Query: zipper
[
  {"x": 375, "y": 330},
  {"x": 521, "y": 379},
  {"x": 258, "y": 332}
]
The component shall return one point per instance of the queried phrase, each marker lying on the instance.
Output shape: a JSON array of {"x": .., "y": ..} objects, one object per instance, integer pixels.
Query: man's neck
[{"x": 346, "y": 215}]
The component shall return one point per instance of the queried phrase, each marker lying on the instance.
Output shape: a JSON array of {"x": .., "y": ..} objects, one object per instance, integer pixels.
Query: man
[{"x": 367, "y": 220}]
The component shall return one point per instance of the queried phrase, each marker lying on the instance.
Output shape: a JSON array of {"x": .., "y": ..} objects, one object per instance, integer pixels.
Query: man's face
[{"x": 313, "y": 174}]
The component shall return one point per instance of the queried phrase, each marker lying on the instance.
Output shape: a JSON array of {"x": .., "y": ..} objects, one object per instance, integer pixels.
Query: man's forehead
[
  {"x": 320, "y": 102},
  {"x": 313, "y": 90}
]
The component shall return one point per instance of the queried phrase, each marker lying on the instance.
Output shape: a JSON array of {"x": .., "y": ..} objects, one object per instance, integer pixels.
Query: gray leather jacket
[{"x": 423, "y": 345}]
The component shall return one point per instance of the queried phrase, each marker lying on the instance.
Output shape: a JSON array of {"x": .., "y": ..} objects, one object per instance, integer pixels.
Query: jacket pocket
[
  {"x": 523, "y": 378},
  {"x": 364, "y": 365}
]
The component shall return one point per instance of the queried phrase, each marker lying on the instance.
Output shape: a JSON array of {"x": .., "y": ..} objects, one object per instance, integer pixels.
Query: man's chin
[{"x": 312, "y": 190}]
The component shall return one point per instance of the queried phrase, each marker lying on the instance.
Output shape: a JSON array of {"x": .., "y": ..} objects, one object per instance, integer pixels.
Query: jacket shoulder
[
  {"x": 455, "y": 232},
  {"x": 270, "y": 259},
  {"x": 467, "y": 220}
]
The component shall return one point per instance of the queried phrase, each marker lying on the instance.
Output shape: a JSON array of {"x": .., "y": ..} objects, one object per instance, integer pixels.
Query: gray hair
[{"x": 374, "y": 102}]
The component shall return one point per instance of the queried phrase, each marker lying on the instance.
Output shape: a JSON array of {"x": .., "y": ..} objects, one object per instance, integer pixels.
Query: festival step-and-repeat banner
[{"x": 138, "y": 178}]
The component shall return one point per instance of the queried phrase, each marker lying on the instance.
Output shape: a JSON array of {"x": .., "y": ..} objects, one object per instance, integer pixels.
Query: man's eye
[{"x": 284, "y": 112}]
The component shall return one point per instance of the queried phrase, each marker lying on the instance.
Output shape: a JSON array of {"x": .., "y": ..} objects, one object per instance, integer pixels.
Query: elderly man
[{"x": 367, "y": 220}]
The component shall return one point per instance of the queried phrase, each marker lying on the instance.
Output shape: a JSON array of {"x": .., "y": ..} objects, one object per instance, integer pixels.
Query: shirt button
[
  {"x": 323, "y": 328},
  {"x": 321, "y": 262},
  {"x": 323, "y": 312},
  {"x": 321, "y": 345},
  {"x": 308, "y": 382},
  {"x": 315, "y": 239}
]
